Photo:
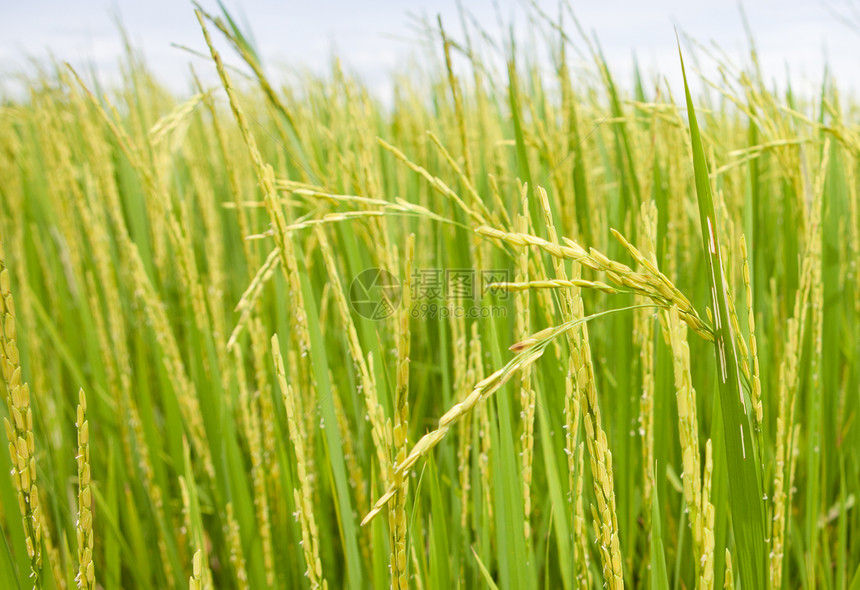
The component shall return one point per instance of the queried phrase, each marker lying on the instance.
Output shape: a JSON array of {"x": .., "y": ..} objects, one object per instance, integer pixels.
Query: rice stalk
[
  {"x": 135, "y": 217},
  {"x": 397, "y": 514},
  {"x": 745, "y": 478},
  {"x": 250, "y": 416},
  {"x": 643, "y": 335},
  {"x": 755, "y": 381},
  {"x": 195, "y": 582},
  {"x": 528, "y": 351},
  {"x": 19, "y": 430},
  {"x": 653, "y": 285},
  {"x": 522, "y": 328},
  {"x": 688, "y": 430},
  {"x": 380, "y": 431},
  {"x": 464, "y": 435},
  {"x": 303, "y": 494},
  {"x": 237, "y": 555},
  {"x": 729, "y": 583},
  {"x": 86, "y": 576}
]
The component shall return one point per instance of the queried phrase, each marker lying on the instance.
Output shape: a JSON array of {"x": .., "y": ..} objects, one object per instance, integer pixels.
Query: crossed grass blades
[{"x": 669, "y": 401}]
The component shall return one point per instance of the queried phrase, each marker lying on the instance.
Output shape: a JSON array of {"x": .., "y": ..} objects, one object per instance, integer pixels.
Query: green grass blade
[
  {"x": 486, "y": 574},
  {"x": 659, "y": 575},
  {"x": 745, "y": 487},
  {"x": 855, "y": 583},
  {"x": 8, "y": 575}
]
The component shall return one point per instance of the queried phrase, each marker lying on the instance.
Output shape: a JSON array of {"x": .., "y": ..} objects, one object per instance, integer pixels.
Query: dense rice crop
[{"x": 516, "y": 329}]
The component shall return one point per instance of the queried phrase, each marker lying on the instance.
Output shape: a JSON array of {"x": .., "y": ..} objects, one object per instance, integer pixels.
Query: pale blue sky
[{"x": 370, "y": 36}]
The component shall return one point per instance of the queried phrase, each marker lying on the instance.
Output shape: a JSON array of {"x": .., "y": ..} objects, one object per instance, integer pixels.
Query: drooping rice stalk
[
  {"x": 652, "y": 284},
  {"x": 528, "y": 351}
]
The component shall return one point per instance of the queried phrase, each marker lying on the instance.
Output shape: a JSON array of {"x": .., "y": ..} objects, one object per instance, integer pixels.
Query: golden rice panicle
[
  {"x": 545, "y": 299},
  {"x": 688, "y": 431},
  {"x": 475, "y": 198},
  {"x": 542, "y": 285},
  {"x": 755, "y": 381},
  {"x": 464, "y": 451},
  {"x": 575, "y": 451},
  {"x": 86, "y": 576},
  {"x": 237, "y": 555},
  {"x": 397, "y": 514},
  {"x": 571, "y": 427},
  {"x": 259, "y": 354},
  {"x": 605, "y": 520},
  {"x": 654, "y": 285},
  {"x": 481, "y": 391},
  {"x": 437, "y": 183},
  {"x": 574, "y": 447},
  {"x": 303, "y": 495},
  {"x": 706, "y": 576},
  {"x": 729, "y": 583},
  {"x": 604, "y": 515},
  {"x": 195, "y": 582},
  {"x": 784, "y": 447},
  {"x": 643, "y": 335},
  {"x": 249, "y": 411},
  {"x": 485, "y": 454},
  {"x": 266, "y": 178},
  {"x": 19, "y": 429},
  {"x": 527, "y": 395},
  {"x": 583, "y": 556}
]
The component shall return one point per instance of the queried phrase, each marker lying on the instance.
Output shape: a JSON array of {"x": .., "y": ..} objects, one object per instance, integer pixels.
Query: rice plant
[{"x": 517, "y": 327}]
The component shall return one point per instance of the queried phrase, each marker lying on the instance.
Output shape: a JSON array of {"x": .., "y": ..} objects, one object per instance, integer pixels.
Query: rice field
[{"x": 524, "y": 326}]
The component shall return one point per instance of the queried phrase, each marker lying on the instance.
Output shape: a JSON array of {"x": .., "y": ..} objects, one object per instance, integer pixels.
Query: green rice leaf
[
  {"x": 659, "y": 575},
  {"x": 745, "y": 487}
]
